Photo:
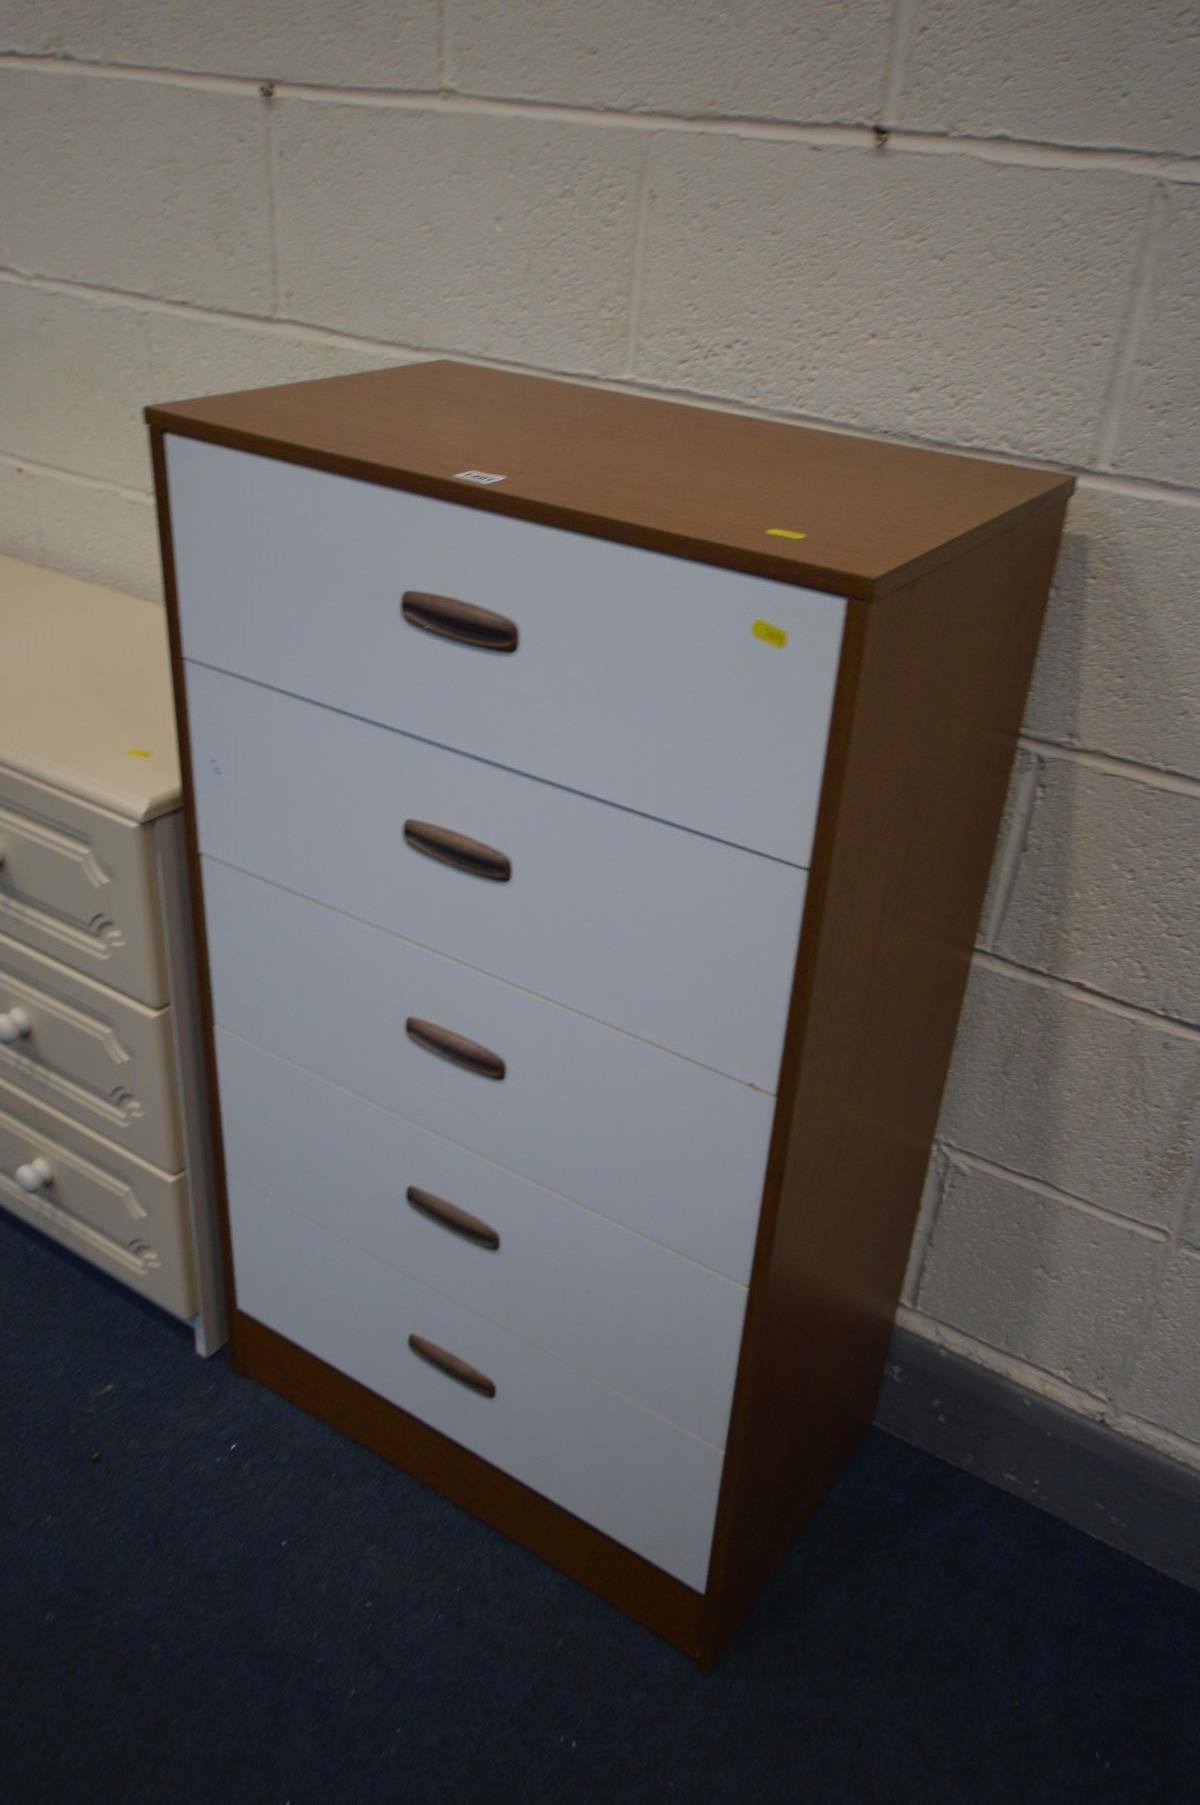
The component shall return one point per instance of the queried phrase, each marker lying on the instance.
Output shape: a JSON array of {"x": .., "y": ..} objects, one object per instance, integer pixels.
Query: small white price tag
[{"x": 477, "y": 476}]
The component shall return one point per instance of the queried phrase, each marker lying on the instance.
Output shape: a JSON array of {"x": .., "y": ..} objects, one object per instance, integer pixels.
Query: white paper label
[{"x": 477, "y": 476}]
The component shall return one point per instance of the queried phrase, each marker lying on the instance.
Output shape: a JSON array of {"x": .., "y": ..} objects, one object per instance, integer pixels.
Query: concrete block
[
  {"x": 765, "y": 59},
  {"x": 101, "y": 537},
  {"x": 74, "y": 375},
  {"x": 1160, "y": 426},
  {"x": 20, "y": 528},
  {"x": 1107, "y": 891},
  {"x": 385, "y": 44},
  {"x": 934, "y": 295},
  {"x": 1112, "y": 75},
  {"x": 1164, "y": 1385},
  {"x": 1048, "y": 1282},
  {"x": 93, "y": 533},
  {"x": 191, "y": 357},
  {"x": 136, "y": 185},
  {"x": 76, "y": 372},
  {"x": 1060, "y": 1088},
  {"x": 1118, "y": 669},
  {"x": 506, "y": 237}
]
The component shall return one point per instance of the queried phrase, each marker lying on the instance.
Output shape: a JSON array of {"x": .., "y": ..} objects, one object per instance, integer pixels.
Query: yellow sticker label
[
  {"x": 139, "y": 752},
  {"x": 769, "y": 633},
  {"x": 784, "y": 532}
]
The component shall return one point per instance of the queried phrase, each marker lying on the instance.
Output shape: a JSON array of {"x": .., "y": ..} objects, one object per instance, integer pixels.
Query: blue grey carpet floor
[{"x": 209, "y": 1598}]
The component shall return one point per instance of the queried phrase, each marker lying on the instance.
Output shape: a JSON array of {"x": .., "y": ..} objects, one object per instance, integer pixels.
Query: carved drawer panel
[
  {"x": 110, "y": 1208},
  {"x": 90, "y": 1053},
  {"x": 78, "y": 883}
]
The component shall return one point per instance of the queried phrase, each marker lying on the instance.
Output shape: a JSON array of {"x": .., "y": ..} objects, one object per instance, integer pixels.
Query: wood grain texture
[
  {"x": 929, "y": 704},
  {"x": 645, "y": 1593},
  {"x": 673, "y": 478}
]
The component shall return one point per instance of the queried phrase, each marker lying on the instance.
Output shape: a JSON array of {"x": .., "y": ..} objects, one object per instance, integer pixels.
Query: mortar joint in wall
[
  {"x": 1149, "y": 1302},
  {"x": 963, "y": 1161},
  {"x": 899, "y": 38},
  {"x": 640, "y": 227},
  {"x": 1169, "y": 167},
  {"x": 1129, "y": 338},
  {"x": 1087, "y": 997},
  {"x": 1102, "y": 482},
  {"x": 75, "y": 478},
  {"x": 267, "y": 90},
  {"x": 1127, "y": 770}
]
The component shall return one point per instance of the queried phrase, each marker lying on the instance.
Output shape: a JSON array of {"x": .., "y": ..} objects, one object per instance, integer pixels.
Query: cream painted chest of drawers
[
  {"x": 592, "y": 802},
  {"x": 103, "y": 1142}
]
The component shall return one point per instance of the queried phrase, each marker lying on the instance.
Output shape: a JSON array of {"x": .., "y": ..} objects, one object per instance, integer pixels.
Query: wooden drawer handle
[
  {"x": 457, "y": 850},
  {"x": 454, "y": 1047},
  {"x": 449, "y": 1215},
  {"x": 446, "y": 616},
  {"x": 452, "y": 1366}
]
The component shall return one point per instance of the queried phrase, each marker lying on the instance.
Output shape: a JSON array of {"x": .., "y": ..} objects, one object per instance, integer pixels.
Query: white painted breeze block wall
[{"x": 953, "y": 222}]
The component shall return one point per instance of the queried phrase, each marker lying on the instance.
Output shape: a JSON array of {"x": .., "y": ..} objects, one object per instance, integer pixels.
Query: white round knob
[
  {"x": 36, "y": 1175},
  {"x": 15, "y": 1025}
]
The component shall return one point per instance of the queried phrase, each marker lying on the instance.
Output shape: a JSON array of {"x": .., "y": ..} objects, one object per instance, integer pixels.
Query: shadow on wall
[
  {"x": 1051, "y": 1084},
  {"x": 1104, "y": 890},
  {"x": 1119, "y": 653}
]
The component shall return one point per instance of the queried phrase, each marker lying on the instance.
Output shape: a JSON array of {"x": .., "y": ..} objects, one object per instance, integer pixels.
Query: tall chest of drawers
[
  {"x": 103, "y": 1132},
  {"x": 591, "y": 801}
]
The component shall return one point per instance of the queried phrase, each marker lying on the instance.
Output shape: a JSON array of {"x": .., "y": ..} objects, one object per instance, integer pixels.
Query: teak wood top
[{"x": 670, "y": 477}]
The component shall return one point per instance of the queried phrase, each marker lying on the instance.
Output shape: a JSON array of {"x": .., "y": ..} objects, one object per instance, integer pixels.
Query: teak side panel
[
  {"x": 670, "y": 477},
  {"x": 930, "y": 702},
  {"x": 642, "y": 1591}
]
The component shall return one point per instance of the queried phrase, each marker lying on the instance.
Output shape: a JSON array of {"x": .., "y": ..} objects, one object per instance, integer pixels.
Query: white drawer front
[
  {"x": 79, "y": 884},
  {"x": 637, "y": 1478},
  {"x": 680, "y": 939},
  {"x": 83, "y": 1049},
  {"x": 651, "y": 1140},
  {"x": 113, "y": 1210},
  {"x": 637, "y": 677},
  {"x": 660, "y": 1329}
]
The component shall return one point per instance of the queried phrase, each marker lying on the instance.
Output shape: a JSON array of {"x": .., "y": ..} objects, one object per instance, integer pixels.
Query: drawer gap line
[
  {"x": 373, "y": 927},
  {"x": 753, "y": 852},
  {"x": 574, "y": 1203},
  {"x": 480, "y": 1316}
]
